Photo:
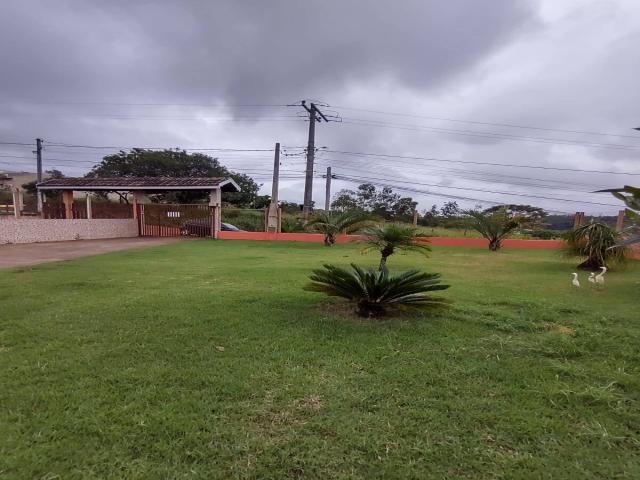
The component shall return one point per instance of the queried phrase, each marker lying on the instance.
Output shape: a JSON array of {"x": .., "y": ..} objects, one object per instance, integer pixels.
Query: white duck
[
  {"x": 575, "y": 282},
  {"x": 592, "y": 278},
  {"x": 600, "y": 276}
]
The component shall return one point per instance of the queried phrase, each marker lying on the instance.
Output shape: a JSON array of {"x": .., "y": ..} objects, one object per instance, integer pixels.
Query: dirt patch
[{"x": 23, "y": 254}]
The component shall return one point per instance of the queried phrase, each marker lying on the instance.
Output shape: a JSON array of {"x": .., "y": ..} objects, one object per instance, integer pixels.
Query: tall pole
[
  {"x": 272, "y": 223},
  {"x": 327, "y": 193},
  {"x": 39, "y": 170},
  {"x": 276, "y": 175},
  {"x": 315, "y": 115},
  {"x": 311, "y": 150}
]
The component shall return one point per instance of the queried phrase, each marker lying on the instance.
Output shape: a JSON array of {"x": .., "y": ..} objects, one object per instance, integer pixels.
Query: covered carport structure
[{"x": 139, "y": 187}]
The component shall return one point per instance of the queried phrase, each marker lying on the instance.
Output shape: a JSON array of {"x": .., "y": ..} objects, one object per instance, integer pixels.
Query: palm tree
[
  {"x": 597, "y": 242},
  {"x": 631, "y": 197},
  {"x": 375, "y": 291},
  {"x": 493, "y": 225},
  {"x": 391, "y": 237},
  {"x": 332, "y": 223}
]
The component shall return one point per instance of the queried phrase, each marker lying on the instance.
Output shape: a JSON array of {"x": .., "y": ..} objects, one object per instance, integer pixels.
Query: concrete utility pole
[
  {"x": 327, "y": 192},
  {"x": 315, "y": 115},
  {"x": 39, "y": 170},
  {"x": 273, "y": 214}
]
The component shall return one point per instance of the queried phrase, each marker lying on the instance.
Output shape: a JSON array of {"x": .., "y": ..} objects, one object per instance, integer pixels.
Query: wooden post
[
  {"x": 620, "y": 221},
  {"x": 17, "y": 202},
  {"x": 89, "y": 213},
  {"x": 138, "y": 198},
  {"x": 415, "y": 218},
  {"x": 578, "y": 219},
  {"x": 67, "y": 199}
]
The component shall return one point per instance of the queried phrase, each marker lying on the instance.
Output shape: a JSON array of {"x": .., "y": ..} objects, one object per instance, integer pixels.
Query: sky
[{"x": 483, "y": 103}]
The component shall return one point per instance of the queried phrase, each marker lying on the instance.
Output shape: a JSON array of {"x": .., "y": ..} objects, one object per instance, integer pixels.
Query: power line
[
  {"x": 492, "y": 135},
  {"x": 487, "y": 191},
  {"x": 508, "y": 125},
  {"x": 492, "y": 180},
  {"x": 407, "y": 157}
]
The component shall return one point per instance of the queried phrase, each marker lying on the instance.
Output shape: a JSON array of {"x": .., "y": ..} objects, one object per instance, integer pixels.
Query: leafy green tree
[
  {"x": 31, "y": 189},
  {"x": 389, "y": 238},
  {"x": 333, "y": 223},
  {"x": 140, "y": 162},
  {"x": 494, "y": 225},
  {"x": 450, "y": 210},
  {"x": 384, "y": 203},
  {"x": 374, "y": 292},
  {"x": 597, "y": 243},
  {"x": 529, "y": 216}
]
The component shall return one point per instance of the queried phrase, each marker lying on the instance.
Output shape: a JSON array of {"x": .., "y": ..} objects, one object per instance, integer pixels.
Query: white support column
[
  {"x": 215, "y": 200},
  {"x": 17, "y": 202},
  {"x": 89, "y": 213}
]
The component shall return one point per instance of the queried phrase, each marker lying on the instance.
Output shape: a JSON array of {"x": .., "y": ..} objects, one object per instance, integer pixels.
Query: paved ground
[{"x": 18, "y": 255}]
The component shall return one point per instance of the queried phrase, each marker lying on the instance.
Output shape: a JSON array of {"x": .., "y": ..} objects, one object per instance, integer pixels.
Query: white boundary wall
[{"x": 32, "y": 230}]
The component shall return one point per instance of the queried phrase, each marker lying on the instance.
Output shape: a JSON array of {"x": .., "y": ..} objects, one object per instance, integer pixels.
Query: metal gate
[{"x": 176, "y": 220}]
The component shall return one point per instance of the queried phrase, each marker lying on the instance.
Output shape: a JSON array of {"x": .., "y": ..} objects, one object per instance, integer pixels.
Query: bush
[
  {"x": 597, "y": 243},
  {"x": 291, "y": 224},
  {"x": 249, "y": 220},
  {"x": 374, "y": 292}
]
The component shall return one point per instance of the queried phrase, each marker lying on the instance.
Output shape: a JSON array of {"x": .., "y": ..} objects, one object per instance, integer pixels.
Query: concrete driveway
[{"x": 18, "y": 255}]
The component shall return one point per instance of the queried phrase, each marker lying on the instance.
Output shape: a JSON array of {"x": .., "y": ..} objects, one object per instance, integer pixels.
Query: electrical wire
[{"x": 407, "y": 157}]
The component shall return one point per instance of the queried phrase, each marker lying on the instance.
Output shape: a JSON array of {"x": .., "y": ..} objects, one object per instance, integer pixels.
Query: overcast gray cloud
[{"x": 79, "y": 72}]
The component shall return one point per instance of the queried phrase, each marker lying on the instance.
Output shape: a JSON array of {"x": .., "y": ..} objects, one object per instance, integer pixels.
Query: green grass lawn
[{"x": 206, "y": 360}]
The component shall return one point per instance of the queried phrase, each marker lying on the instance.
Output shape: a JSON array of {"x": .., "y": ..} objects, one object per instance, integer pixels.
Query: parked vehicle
[{"x": 201, "y": 227}]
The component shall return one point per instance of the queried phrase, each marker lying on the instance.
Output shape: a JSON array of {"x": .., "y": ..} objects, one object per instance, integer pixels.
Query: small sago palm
[
  {"x": 333, "y": 223},
  {"x": 391, "y": 237},
  {"x": 374, "y": 292},
  {"x": 494, "y": 226},
  {"x": 598, "y": 243}
]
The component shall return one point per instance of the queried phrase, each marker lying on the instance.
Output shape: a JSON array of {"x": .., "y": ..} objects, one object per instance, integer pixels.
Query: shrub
[
  {"x": 493, "y": 225},
  {"x": 374, "y": 292},
  {"x": 598, "y": 243},
  {"x": 391, "y": 237},
  {"x": 333, "y": 223}
]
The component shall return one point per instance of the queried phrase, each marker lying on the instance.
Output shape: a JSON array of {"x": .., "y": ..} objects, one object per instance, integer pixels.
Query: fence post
[
  {"x": 215, "y": 224},
  {"x": 17, "y": 202},
  {"x": 67, "y": 199},
  {"x": 415, "y": 218},
  {"x": 578, "y": 219},
  {"x": 620, "y": 221}
]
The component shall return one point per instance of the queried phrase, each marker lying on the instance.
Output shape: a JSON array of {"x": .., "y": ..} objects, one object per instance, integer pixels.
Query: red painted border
[{"x": 439, "y": 241}]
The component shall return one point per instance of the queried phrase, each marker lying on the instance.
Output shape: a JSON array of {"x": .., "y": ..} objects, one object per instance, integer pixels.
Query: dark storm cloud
[
  {"x": 77, "y": 71},
  {"x": 243, "y": 52}
]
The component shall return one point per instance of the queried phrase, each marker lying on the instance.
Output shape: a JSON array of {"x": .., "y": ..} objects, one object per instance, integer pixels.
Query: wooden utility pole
[
  {"x": 273, "y": 222},
  {"x": 39, "y": 171},
  {"x": 315, "y": 115},
  {"x": 327, "y": 192}
]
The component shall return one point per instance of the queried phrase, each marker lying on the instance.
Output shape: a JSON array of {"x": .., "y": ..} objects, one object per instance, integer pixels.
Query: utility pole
[
  {"x": 327, "y": 193},
  {"x": 39, "y": 171},
  {"x": 315, "y": 115},
  {"x": 273, "y": 214},
  {"x": 276, "y": 174}
]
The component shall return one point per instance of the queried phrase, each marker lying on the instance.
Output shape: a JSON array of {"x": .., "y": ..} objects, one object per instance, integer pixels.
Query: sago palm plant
[
  {"x": 333, "y": 223},
  {"x": 492, "y": 225},
  {"x": 374, "y": 292},
  {"x": 391, "y": 237},
  {"x": 598, "y": 243}
]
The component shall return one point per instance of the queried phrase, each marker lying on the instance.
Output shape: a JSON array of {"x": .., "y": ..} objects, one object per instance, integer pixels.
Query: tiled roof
[{"x": 138, "y": 183}]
